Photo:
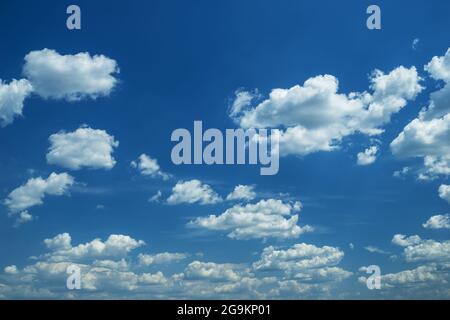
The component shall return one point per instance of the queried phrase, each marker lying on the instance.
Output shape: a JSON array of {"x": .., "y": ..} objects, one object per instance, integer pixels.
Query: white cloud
[
  {"x": 444, "y": 192},
  {"x": 304, "y": 261},
  {"x": 267, "y": 218},
  {"x": 33, "y": 192},
  {"x": 11, "y": 269},
  {"x": 82, "y": 148},
  {"x": 427, "y": 136},
  {"x": 242, "y": 192},
  {"x": 71, "y": 77},
  {"x": 148, "y": 166},
  {"x": 12, "y": 96},
  {"x": 114, "y": 246},
  {"x": 423, "y": 250},
  {"x": 315, "y": 117},
  {"x": 368, "y": 156},
  {"x": 438, "y": 222},
  {"x": 193, "y": 191},
  {"x": 164, "y": 257}
]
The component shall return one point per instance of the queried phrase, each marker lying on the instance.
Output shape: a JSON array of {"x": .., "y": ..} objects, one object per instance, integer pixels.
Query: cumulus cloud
[
  {"x": 12, "y": 96},
  {"x": 70, "y": 77},
  {"x": 147, "y": 166},
  {"x": 115, "y": 246},
  {"x": 444, "y": 192},
  {"x": 427, "y": 136},
  {"x": 193, "y": 191},
  {"x": 439, "y": 221},
  {"x": 82, "y": 148},
  {"x": 304, "y": 261},
  {"x": 109, "y": 270},
  {"x": 242, "y": 192},
  {"x": 316, "y": 117},
  {"x": 423, "y": 250},
  {"x": 368, "y": 156},
  {"x": 266, "y": 219},
  {"x": 33, "y": 192}
]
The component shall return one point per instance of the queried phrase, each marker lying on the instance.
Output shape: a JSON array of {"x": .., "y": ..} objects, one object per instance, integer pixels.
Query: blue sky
[{"x": 166, "y": 64}]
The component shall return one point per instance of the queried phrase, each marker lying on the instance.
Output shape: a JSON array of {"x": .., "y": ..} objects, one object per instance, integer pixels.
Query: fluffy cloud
[
  {"x": 315, "y": 117},
  {"x": 193, "y": 191},
  {"x": 12, "y": 96},
  {"x": 70, "y": 77},
  {"x": 267, "y": 218},
  {"x": 304, "y": 261},
  {"x": 444, "y": 192},
  {"x": 423, "y": 250},
  {"x": 108, "y": 271},
  {"x": 82, "y": 148},
  {"x": 32, "y": 193},
  {"x": 164, "y": 257},
  {"x": 242, "y": 192},
  {"x": 427, "y": 136},
  {"x": 149, "y": 167},
  {"x": 115, "y": 246},
  {"x": 368, "y": 156},
  {"x": 438, "y": 222}
]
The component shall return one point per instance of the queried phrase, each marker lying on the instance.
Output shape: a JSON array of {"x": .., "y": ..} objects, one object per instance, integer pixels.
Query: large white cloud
[
  {"x": 428, "y": 135},
  {"x": 70, "y": 77},
  {"x": 148, "y": 166},
  {"x": 12, "y": 96},
  {"x": 32, "y": 193},
  {"x": 82, "y": 148},
  {"x": 315, "y": 117},
  {"x": 193, "y": 191},
  {"x": 266, "y": 219}
]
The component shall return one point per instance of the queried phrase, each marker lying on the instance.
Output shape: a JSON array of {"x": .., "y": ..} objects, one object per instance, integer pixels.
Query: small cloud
[
  {"x": 374, "y": 249},
  {"x": 156, "y": 197},
  {"x": 368, "y": 156},
  {"x": 415, "y": 43}
]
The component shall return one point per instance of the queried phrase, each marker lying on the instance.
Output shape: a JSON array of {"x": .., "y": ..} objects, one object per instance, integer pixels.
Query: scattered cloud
[
  {"x": 415, "y": 43},
  {"x": 193, "y": 191},
  {"x": 82, "y": 148},
  {"x": 164, "y": 257},
  {"x": 374, "y": 249}
]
